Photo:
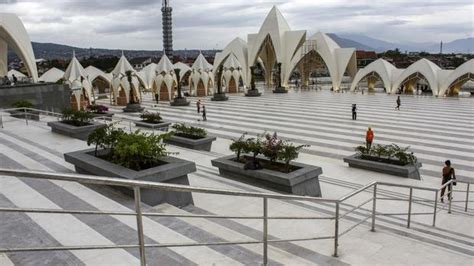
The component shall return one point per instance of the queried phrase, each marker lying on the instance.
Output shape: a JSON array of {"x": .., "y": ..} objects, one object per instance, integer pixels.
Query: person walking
[
  {"x": 157, "y": 98},
  {"x": 369, "y": 138},
  {"x": 354, "y": 112},
  {"x": 15, "y": 79},
  {"x": 198, "y": 106},
  {"x": 204, "y": 118},
  {"x": 399, "y": 102},
  {"x": 448, "y": 175}
]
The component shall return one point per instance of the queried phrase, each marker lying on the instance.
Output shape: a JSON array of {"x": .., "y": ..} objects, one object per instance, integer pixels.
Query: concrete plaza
[{"x": 436, "y": 129}]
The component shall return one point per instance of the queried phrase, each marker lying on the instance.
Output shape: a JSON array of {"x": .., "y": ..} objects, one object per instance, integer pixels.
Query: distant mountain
[
  {"x": 456, "y": 46},
  {"x": 59, "y": 51},
  {"x": 347, "y": 43}
]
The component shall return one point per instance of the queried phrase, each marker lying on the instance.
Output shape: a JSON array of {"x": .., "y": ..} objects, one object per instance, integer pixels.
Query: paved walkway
[{"x": 309, "y": 118}]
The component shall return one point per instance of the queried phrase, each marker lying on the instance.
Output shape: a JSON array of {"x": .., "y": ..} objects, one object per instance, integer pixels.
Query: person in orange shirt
[{"x": 369, "y": 138}]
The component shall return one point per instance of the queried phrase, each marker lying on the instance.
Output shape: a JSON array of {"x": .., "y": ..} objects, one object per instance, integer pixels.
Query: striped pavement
[
  {"x": 45, "y": 152},
  {"x": 436, "y": 129}
]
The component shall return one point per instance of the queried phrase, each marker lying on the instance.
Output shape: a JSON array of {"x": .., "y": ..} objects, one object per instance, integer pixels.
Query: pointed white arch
[
  {"x": 13, "y": 34},
  {"x": 184, "y": 69},
  {"x": 337, "y": 59},
  {"x": 276, "y": 32},
  {"x": 201, "y": 71},
  {"x": 75, "y": 74},
  {"x": 425, "y": 67},
  {"x": 165, "y": 76},
  {"x": 465, "y": 69},
  {"x": 93, "y": 73},
  {"x": 384, "y": 69},
  {"x": 239, "y": 49}
]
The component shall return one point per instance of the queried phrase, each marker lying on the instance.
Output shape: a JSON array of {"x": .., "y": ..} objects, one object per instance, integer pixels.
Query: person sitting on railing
[{"x": 448, "y": 174}]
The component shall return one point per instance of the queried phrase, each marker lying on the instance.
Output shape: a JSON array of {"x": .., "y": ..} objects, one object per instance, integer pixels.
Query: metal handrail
[{"x": 138, "y": 185}]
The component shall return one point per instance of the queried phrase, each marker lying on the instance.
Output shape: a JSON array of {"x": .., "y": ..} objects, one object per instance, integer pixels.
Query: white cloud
[{"x": 201, "y": 24}]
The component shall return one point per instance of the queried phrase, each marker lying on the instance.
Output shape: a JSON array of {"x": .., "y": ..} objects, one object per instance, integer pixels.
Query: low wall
[{"x": 45, "y": 96}]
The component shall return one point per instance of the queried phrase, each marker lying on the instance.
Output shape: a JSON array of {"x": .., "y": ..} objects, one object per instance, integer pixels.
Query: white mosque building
[{"x": 275, "y": 43}]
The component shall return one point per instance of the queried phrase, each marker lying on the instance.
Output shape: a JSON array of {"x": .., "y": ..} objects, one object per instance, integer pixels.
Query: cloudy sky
[{"x": 208, "y": 24}]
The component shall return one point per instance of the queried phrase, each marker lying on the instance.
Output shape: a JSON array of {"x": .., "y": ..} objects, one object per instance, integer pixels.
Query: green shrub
[
  {"x": 23, "y": 104},
  {"x": 289, "y": 152},
  {"x": 402, "y": 155},
  {"x": 182, "y": 130},
  {"x": 238, "y": 145},
  {"x": 139, "y": 151},
  {"x": 105, "y": 138},
  {"x": 76, "y": 118},
  {"x": 136, "y": 151},
  {"x": 153, "y": 118},
  {"x": 271, "y": 146}
]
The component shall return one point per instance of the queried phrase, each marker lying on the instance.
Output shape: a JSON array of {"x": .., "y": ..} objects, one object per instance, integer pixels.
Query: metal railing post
[
  {"x": 374, "y": 207},
  {"x": 409, "y": 207},
  {"x": 467, "y": 197},
  {"x": 435, "y": 208},
  {"x": 336, "y": 230},
  {"x": 450, "y": 196},
  {"x": 141, "y": 238},
  {"x": 265, "y": 231},
  {"x": 26, "y": 116}
]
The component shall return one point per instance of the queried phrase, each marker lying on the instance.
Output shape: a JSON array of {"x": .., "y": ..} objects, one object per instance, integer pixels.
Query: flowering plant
[{"x": 97, "y": 108}]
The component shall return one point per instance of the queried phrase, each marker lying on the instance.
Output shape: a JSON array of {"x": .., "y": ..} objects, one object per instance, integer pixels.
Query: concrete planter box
[
  {"x": 30, "y": 115},
  {"x": 203, "y": 144},
  {"x": 280, "y": 90},
  {"x": 253, "y": 93},
  {"x": 408, "y": 171},
  {"x": 175, "y": 171},
  {"x": 81, "y": 133},
  {"x": 163, "y": 126},
  {"x": 303, "y": 181}
]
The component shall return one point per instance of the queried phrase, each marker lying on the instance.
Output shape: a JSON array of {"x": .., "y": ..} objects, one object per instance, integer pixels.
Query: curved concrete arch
[
  {"x": 76, "y": 73},
  {"x": 466, "y": 69},
  {"x": 239, "y": 49},
  {"x": 426, "y": 68},
  {"x": 184, "y": 69},
  {"x": 93, "y": 73},
  {"x": 382, "y": 67},
  {"x": 336, "y": 59},
  {"x": 13, "y": 34},
  {"x": 201, "y": 71},
  {"x": 52, "y": 75},
  {"x": 276, "y": 32}
]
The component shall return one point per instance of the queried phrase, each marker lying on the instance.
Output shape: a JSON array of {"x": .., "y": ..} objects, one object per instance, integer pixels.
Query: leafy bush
[
  {"x": 105, "y": 138},
  {"x": 288, "y": 153},
  {"x": 271, "y": 147},
  {"x": 98, "y": 108},
  {"x": 189, "y": 131},
  {"x": 139, "y": 151},
  {"x": 153, "y": 118},
  {"x": 23, "y": 104},
  {"x": 136, "y": 151},
  {"x": 253, "y": 146},
  {"x": 76, "y": 118},
  {"x": 238, "y": 145},
  {"x": 402, "y": 155}
]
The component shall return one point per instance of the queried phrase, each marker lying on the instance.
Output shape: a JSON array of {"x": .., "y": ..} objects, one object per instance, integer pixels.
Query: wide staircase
[{"x": 51, "y": 216}]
